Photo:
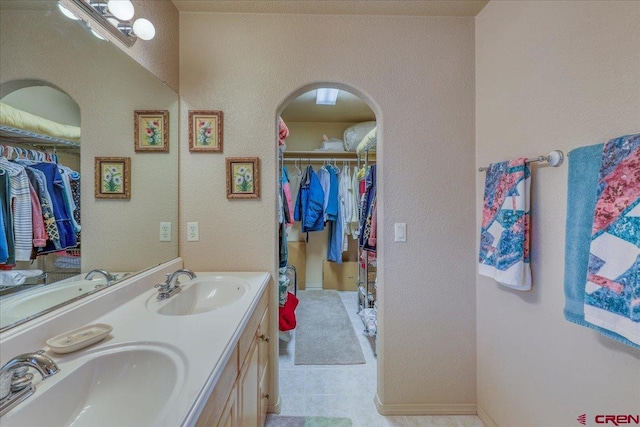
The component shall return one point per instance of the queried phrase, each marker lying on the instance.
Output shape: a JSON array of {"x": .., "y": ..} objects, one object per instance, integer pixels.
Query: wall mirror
[{"x": 56, "y": 68}]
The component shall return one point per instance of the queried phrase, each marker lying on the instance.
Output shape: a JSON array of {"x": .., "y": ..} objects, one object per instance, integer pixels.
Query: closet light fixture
[
  {"x": 326, "y": 96},
  {"x": 115, "y": 17}
]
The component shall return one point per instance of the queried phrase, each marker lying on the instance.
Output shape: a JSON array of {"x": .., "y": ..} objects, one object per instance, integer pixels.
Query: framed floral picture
[
  {"x": 205, "y": 131},
  {"x": 151, "y": 130},
  {"x": 243, "y": 178},
  {"x": 113, "y": 178}
]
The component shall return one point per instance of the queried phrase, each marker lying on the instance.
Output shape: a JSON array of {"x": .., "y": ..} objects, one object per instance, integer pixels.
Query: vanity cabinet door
[
  {"x": 263, "y": 342},
  {"x": 248, "y": 388},
  {"x": 229, "y": 416},
  {"x": 264, "y": 395}
]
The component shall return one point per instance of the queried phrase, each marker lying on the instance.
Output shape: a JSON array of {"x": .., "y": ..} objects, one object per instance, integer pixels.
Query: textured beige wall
[
  {"x": 551, "y": 75},
  {"x": 418, "y": 74},
  {"x": 119, "y": 235}
]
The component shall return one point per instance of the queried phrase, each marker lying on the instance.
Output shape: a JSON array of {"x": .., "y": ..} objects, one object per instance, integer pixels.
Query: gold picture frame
[
  {"x": 151, "y": 130},
  {"x": 113, "y": 177},
  {"x": 243, "y": 177},
  {"x": 205, "y": 131}
]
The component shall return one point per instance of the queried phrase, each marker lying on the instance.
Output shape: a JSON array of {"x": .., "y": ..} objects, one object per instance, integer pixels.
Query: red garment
[{"x": 288, "y": 313}]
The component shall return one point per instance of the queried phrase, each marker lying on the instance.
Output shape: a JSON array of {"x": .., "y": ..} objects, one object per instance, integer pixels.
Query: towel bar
[{"x": 555, "y": 159}]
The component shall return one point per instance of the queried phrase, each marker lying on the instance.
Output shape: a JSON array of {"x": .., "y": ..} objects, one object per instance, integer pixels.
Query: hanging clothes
[
  {"x": 54, "y": 184},
  {"x": 354, "y": 221},
  {"x": 7, "y": 254},
  {"x": 345, "y": 204},
  {"x": 20, "y": 205},
  {"x": 309, "y": 204},
  {"x": 366, "y": 204},
  {"x": 325, "y": 182},
  {"x": 334, "y": 216},
  {"x": 286, "y": 194},
  {"x": 39, "y": 184}
]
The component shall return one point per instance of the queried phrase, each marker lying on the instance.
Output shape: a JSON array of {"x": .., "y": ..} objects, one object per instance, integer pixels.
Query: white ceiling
[{"x": 338, "y": 7}]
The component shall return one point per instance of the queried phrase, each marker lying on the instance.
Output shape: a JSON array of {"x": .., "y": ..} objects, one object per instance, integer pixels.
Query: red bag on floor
[{"x": 288, "y": 313}]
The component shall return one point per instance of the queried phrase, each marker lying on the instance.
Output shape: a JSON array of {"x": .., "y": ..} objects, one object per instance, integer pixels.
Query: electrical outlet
[
  {"x": 192, "y": 232},
  {"x": 165, "y": 231}
]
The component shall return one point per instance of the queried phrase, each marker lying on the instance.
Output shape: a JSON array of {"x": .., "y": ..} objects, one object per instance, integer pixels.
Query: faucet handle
[{"x": 21, "y": 378}]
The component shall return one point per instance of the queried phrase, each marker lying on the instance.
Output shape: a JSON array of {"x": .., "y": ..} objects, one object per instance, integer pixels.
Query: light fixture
[
  {"x": 121, "y": 9},
  {"x": 326, "y": 96},
  {"x": 96, "y": 34},
  {"x": 66, "y": 12},
  {"x": 115, "y": 17},
  {"x": 144, "y": 29}
]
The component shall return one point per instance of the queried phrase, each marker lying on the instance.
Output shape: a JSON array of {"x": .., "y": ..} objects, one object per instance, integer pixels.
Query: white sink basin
[
  {"x": 128, "y": 385},
  {"x": 201, "y": 295}
]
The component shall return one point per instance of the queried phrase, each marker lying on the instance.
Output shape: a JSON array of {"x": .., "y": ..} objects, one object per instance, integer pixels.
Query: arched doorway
[{"x": 315, "y": 136}]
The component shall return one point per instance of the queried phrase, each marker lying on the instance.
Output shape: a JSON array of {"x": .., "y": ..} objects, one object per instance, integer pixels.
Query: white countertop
[{"x": 204, "y": 341}]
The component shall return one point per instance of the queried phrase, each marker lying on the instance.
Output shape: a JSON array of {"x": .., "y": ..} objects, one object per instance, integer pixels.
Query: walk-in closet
[
  {"x": 327, "y": 241},
  {"x": 40, "y": 187}
]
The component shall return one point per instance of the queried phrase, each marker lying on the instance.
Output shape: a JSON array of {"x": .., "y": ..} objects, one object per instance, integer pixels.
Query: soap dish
[{"x": 79, "y": 338}]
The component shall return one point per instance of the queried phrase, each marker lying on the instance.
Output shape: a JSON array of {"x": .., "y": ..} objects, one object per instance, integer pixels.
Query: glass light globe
[
  {"x": 144, "y": 29},
  {"x": 121, "y": 9},
  {"x": 66, "y": 12},
  {"x": 95, "y": 33}
]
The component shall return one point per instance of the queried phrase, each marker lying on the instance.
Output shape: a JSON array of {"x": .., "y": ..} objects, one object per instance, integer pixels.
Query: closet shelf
[
  {"x": 324, "y": 154},
  {"x": 13, "y": 135}
]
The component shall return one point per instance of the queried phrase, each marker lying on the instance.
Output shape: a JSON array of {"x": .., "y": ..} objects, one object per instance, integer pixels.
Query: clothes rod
[
  {"x": 317, "y": 160},
  {"x": 554, "y": 158}
]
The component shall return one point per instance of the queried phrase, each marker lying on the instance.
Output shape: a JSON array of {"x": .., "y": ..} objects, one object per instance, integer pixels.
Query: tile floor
[{"x": 346, "y": 390}]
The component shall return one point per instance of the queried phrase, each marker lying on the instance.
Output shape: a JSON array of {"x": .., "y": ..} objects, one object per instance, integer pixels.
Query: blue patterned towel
[
  {"x": 612, "y": 292},
  {"x": 504, "y": 239}
]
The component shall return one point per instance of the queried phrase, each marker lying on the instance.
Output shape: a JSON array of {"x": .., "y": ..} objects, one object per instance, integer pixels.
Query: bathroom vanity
[{"x": 197, "y": 358}]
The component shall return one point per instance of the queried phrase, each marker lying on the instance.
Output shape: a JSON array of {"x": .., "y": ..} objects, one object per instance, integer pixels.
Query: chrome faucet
[
  {"x": 15, "y": 380},
  {"x": 110, "y": 277},
  {"x": 171, "y": 286}
]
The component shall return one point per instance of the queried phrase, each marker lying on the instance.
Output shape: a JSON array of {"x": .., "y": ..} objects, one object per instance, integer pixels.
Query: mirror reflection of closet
[{"x": 38, "y": 112}]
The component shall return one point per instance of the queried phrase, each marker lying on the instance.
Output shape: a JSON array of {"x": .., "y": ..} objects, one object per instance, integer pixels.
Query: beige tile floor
[{"x": 346, "y": 390}]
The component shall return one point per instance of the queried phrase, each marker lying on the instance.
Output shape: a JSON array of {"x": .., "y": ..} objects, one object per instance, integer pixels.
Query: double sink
[{"x": 155, "y": 367}]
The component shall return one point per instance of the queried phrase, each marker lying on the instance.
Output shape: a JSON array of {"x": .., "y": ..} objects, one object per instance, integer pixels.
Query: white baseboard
[
  {"x": 425, "y": 409},
  {"x": 485, "y": 418}
]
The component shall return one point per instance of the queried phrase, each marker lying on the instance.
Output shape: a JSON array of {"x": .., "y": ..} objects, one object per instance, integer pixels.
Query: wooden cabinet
[
  {"x": 241, "y": 395},
  {"x": 248, "y": 389}
]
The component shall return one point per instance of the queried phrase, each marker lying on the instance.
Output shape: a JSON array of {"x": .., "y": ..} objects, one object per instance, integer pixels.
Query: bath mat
[
  {"x": 288, "y": 421},
  {"x": 324, "y": 334}
]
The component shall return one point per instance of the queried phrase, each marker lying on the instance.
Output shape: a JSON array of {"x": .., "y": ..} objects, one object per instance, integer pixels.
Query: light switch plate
[{"x": 400, "y": 231}]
